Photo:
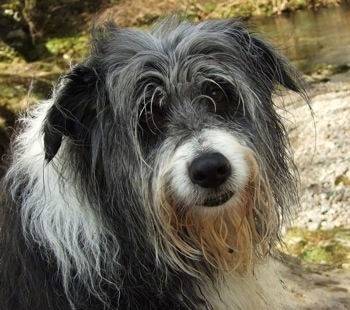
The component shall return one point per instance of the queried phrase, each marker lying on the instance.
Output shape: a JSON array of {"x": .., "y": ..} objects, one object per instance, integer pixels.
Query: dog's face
[{"x": 184, "y": 116}]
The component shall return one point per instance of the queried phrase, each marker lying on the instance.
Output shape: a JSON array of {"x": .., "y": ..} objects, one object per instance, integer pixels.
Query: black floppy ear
[
  {"x": 266, "y": 65},
  {"x": 73, "y": 111},
  {"x": 274, "y": 65}
]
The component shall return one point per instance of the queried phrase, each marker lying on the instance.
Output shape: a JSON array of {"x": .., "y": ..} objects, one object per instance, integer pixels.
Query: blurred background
[{"x": 41, "y": 39}]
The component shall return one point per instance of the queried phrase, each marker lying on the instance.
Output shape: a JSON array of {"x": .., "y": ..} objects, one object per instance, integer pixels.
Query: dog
[{"x": 158, "y": 175}]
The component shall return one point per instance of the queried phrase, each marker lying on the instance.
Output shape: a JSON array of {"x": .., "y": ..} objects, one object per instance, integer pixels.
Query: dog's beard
[{"x": 231, "y": 235}]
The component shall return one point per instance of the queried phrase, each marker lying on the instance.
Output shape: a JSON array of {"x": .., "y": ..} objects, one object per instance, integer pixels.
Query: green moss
[
  {"x": 331, "y": 247},
  {"x": 334, "y": 255},
  {"x": 209, "y": 7},
  {"x": 316, "y": 255},
  {"x": 74, "y": 47}
]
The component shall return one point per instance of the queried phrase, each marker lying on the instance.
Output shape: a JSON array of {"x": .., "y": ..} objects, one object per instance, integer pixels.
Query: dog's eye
[
  {"x": 152, "y": 111},
  {"x": 151, "y": 117},
  {"x": 217, "y": 98},
  {"x": 217, "y": 94},
  {"x": 146, "y": 116}
]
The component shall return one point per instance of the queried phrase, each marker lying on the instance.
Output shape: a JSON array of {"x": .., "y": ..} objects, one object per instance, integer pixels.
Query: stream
[{"x": 310, "y": 37}]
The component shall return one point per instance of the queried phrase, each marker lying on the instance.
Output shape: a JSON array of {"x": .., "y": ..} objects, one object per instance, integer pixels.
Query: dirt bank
[{"x": 321, "y": 146}]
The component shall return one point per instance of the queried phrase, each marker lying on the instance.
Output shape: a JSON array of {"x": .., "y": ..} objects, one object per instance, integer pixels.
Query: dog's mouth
[{"x": 217, "y": 200}]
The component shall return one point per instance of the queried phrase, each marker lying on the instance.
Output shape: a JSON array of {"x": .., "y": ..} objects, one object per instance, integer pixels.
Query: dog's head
[{"x": 181, "y": 119}]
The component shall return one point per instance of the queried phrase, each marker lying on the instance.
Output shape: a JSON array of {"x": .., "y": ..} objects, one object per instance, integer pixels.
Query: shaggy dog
[{"x": 158, "y": 176}]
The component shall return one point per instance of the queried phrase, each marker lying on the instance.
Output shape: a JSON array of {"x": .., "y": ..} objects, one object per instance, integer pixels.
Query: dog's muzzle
[{"x": 210, "y": 171}]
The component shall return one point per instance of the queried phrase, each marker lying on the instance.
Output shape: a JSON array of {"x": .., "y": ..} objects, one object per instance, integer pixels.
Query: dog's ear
[
  {"x": 73, "y": 111},
  {"x": 272, "y": 64},
  {"x": 263, "y": 58}
]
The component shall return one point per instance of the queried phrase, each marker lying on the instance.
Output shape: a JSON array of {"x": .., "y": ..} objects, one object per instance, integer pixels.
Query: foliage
[
  {"x": 68, "y": 47},
  {"x": 328, "y": 247},
  {"x": 25, "y": 25}
]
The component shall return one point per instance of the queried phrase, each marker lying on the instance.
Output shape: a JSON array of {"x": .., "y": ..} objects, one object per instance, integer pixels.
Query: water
[{"x": 309, "y": 38}]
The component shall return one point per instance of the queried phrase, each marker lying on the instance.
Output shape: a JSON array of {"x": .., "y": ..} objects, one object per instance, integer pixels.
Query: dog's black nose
[{"x": 210, "y": 170}]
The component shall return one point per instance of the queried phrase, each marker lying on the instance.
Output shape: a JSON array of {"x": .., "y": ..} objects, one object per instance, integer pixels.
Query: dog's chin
[{"x": 217, "y": 200}]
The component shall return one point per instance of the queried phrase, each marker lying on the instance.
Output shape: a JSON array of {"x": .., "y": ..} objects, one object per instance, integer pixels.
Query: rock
[
  {"x": 322, "y": 156},
  {"x": 313, "y": 225},
  {"x": 325, "y": 208},
  {"x": 327, "y": 225}
]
